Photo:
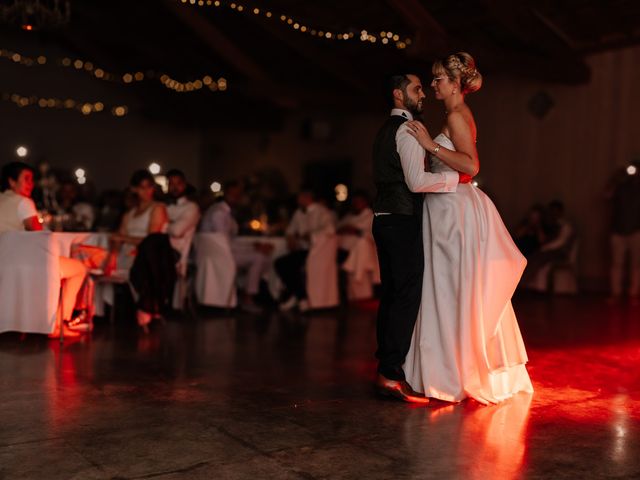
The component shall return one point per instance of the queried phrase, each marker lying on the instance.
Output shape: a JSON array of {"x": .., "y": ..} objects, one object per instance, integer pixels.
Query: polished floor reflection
[{"x": 229, "y": 396}]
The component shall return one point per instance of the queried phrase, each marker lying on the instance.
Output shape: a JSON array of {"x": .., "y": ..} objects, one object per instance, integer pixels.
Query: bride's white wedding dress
[{"x": 466, "y": 342}]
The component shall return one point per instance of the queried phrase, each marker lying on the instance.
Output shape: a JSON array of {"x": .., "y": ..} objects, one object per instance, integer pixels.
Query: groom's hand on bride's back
[{"x": 464, "y": 178}]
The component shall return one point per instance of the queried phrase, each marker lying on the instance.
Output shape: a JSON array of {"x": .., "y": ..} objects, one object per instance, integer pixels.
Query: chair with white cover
[
  {"x": 363, "y": 270},
  {"x": 564, "y": 275},
  {"x": 29, "y": 282},
  {"x": 181, "y": 289},
  {"x": 557, "y": 277},
  {"x": 322, "y": 271},
  {"x": 216, "y": 270}
]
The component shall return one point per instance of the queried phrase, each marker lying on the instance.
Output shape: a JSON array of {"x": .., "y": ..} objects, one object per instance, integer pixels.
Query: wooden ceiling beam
[
  {"x": 218, "y": 41},
  {"x": 332, "y": 64},
  {"x": 262, "y": 85},
  {"x": 432, "y": 40},
  {"x": 557, "y": 58}
]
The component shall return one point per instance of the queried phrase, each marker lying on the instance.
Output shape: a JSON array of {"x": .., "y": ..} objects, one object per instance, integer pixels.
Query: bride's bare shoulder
[{"x": 461, "y": 120}]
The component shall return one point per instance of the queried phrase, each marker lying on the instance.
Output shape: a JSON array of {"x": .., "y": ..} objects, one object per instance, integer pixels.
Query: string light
[
  {"x": 127, "y": 78},
  {"x": 22, "y": 151},
  {"x": 204, "y": 82},
  {"x": 81, "y": 176},
  {"x": 385, "y": 37},
  {"x": 86, "y": 108},
  {"x": 154, "y": 168}
]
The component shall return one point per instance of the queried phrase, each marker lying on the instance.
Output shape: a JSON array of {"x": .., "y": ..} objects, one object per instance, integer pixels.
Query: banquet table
[
  {"x": 279, "y": 245},
  {"x": 30, "y": 277}
]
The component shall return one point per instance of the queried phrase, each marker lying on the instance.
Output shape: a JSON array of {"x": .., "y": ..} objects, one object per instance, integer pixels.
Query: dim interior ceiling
[{"x": 272, "y": 68}]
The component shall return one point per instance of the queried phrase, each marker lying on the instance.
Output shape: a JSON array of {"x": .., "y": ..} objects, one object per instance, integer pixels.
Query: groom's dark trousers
[
  {"x": 398, "y": 235},
  {"x": 399, "y": 243}
]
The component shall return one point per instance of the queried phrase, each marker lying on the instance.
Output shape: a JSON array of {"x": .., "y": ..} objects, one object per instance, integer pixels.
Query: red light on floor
[{"x": 27, "y": 27}]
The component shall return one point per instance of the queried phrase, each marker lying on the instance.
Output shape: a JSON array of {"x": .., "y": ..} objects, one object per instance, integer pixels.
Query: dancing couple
[{"x": 446, "y": 328}]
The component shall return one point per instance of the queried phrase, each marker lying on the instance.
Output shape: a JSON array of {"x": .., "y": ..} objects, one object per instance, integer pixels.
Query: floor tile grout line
[
  {"x": 95, "y": 465},
  {"x": 224, "y": 431},
  {"x": 27, "y": 442}
]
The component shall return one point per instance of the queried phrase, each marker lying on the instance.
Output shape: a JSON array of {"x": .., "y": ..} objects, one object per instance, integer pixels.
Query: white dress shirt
[
  {"x": 184, "y": 216},
  {"x": 363, "y": 221},
  {"x": 315, "y": 219},
  {"x": 218, "y": 218},
  {"x": 413, "y": 156},
  {"x": 565, "y": 234}
]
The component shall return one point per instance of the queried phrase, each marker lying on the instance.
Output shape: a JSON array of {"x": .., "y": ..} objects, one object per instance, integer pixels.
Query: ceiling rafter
[
  {"x": 332, "y": 64},
  {"x": 262, "y": 84},
  {"x": 431, "y": 38}
]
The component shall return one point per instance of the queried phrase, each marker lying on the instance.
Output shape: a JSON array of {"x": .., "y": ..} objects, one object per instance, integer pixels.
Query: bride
[{"x": 466, "y": 342}]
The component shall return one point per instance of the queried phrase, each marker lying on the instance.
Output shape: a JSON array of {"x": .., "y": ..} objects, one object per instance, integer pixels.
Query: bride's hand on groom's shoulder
[{"x": 421, "y": 134}]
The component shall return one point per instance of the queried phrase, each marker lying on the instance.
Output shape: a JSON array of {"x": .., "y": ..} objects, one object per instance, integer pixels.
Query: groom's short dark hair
[{"x": 397, "y": 82}]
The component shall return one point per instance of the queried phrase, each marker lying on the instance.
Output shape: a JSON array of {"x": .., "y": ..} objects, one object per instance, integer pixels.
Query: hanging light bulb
[{"x": 154, "y": 168}]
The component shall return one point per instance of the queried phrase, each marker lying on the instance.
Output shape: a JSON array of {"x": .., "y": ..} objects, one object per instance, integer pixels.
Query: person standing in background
[{"x": 625, "y": 234}]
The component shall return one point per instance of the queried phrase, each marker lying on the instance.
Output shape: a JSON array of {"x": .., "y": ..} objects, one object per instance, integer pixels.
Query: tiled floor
[{"x": 289, "y": 397}]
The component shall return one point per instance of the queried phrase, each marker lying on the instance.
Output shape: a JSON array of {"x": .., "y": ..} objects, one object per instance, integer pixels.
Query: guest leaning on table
[{"x": 18, "y": 213}]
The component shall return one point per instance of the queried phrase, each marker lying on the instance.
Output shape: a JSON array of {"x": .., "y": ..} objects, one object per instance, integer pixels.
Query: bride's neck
[{"x": 452, "y": 104}]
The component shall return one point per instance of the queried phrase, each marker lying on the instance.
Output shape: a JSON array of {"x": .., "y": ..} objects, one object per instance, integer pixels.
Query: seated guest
[
  {"x": 184, "y": 216},
  {"x": 147, "y": 217},
  {"x": 310, "y": 218},
  {"x": 219, "y": 219},
  {"x": 530, "y": 234},
  {"x": 110, "y": 211},
  {"x": 78, "y": 215},
  {"x": 354, "y": 225},
  {"x": 557, "y": 247},
  {"x": 18, "y": 213}
]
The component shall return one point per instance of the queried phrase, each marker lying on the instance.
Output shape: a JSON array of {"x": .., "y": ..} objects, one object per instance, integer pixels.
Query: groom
[{"x": 400, "y": 178}]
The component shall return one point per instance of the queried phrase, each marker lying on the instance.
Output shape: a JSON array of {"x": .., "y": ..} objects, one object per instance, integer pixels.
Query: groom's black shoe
[{"x": 399, "y": 389}]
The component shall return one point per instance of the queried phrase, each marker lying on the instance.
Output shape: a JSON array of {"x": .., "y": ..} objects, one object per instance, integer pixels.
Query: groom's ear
[{"x": 398, "y": 95}]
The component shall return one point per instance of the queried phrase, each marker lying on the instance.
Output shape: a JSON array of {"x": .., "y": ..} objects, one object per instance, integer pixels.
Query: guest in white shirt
[
  {"x": 354, "y": 225},
  {"x": 18, "y": 213},
  {"x": 310, "y": 218},
  {"x": 184, "y": 216},
  {"x": 78, "y": 215},
  {"x": 255, "y": 261}
]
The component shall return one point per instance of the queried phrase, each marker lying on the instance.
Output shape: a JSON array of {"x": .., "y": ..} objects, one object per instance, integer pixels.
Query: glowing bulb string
[
  {"x": 85, "y": 108},
  {"x": 129, "y": 78},
  {"x": 385, "y": 37}
]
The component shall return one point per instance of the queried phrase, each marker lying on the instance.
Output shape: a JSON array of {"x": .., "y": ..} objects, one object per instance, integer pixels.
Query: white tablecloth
[
  {"x": 279, "y": 249},
  {"x": 30, "y": 277}
]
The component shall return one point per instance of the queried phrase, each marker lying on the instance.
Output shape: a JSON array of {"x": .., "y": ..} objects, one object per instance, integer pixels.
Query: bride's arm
[
  {"x": 412, "y": 157},
  {"x": 465, "y": 158}
]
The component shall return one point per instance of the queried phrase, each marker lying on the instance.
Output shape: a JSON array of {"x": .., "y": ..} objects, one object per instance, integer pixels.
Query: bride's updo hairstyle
[{"x": 460, "y": 66}]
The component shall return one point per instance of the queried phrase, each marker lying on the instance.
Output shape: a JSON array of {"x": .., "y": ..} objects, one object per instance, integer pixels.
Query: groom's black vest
[{"x": 393, "y": 195}]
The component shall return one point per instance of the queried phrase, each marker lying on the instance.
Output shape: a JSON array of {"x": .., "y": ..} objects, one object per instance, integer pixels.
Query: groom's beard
[{"x": 414, "y": 107}]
